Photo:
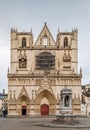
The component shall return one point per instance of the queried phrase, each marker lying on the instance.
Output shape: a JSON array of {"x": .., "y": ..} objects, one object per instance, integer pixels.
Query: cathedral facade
[{"x": 40, "y": 71}]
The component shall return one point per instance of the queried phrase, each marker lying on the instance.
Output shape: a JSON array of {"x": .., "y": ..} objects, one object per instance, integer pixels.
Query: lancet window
[
  {"x": 65, "y": 42},
  {"x": 45, "y": 40},
  {"x": 23, "y": 42}
]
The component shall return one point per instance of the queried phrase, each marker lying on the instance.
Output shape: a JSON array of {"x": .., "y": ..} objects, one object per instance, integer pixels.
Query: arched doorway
[
  {"x": 24, "y": 110},
  {"x": 44, "y": 109},
  {"x": 23, "y": 105},
  {"x": 45, "y": 103}
]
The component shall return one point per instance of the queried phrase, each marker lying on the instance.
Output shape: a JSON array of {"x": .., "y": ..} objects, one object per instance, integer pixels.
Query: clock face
[{"x": 45, "y": 61}]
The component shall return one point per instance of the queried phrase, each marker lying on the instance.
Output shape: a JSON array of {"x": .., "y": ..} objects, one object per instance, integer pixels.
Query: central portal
[
  {"x": 23, "y": 110},
  {"x": 44, "y": 109}
]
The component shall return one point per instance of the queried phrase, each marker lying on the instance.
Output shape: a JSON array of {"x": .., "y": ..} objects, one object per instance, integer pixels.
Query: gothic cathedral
[{"x": 40, "y": 71}]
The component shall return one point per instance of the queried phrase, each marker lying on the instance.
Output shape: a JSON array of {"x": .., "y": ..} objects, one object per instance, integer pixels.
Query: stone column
[
  {"x": 70, "y": 101},
  {"x": 63, "y": 101}
]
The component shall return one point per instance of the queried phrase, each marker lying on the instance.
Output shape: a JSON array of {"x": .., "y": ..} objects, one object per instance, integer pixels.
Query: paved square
[{"x": 31, "y": 124}]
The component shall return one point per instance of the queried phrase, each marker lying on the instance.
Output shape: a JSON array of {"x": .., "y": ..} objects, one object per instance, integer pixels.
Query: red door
[{"x": 44, "y": 109}]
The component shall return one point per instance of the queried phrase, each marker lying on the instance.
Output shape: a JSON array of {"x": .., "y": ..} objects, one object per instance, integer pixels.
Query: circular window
[{"x": 45, "y": 60}]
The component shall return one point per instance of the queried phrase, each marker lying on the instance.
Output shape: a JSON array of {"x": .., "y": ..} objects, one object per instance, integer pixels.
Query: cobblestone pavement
[{"x": 31, "y": 124}]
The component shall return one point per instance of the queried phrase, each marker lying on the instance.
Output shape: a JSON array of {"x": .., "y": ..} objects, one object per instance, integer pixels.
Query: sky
[{"x": 62, "y": 14}]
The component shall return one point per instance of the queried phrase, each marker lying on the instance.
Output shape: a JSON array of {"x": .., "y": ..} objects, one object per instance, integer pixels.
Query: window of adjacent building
[
  {"x": 23, "y": 42},
  {"x": 22, "y": 63},
  {"x": 65, "y": 42}
]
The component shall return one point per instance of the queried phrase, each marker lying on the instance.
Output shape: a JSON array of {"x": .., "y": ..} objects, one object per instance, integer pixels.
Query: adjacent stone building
[
  {"x": 3, "y": 102},
  {"x": 85, "y": 107},
  {"x": 40, "y": 71}
]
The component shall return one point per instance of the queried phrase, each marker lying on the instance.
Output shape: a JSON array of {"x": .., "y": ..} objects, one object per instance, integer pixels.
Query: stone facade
[
  {"x": 39, "y": 71},
  {"x": 85, "y": 100}
]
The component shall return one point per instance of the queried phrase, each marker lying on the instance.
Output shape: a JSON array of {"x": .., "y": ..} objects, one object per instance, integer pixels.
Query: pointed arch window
[
  {"x": 45, "y": 40},
  {"x": 22, "y": 63},
  {"x": 23, "y": 42},
  {"x": 65, "y": 42}
]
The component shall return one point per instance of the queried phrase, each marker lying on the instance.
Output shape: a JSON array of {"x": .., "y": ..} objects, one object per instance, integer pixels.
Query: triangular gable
[
  {"x": 23, "y": 93},
  {"x": 45, "y": 34}
]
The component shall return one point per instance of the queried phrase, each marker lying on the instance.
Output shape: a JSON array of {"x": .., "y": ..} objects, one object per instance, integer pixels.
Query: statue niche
[
  {"x": 22, "y": 63},
  {"x": 67, "y": 101}
]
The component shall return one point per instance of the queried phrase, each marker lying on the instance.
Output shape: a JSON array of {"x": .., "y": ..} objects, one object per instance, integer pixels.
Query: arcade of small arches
[{"x": 32, "y": 81}]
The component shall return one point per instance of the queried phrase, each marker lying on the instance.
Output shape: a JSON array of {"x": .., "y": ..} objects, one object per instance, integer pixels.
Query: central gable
[{"x": 45, "y": 38}]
